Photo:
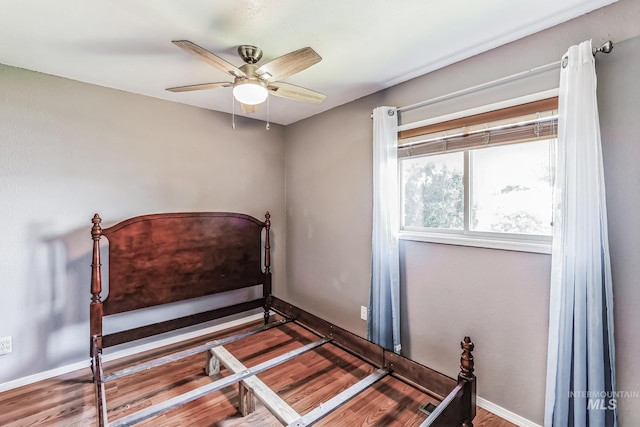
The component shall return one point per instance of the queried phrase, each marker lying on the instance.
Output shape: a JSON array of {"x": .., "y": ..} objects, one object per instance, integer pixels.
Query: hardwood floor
[{"x": 68, "y": 400}]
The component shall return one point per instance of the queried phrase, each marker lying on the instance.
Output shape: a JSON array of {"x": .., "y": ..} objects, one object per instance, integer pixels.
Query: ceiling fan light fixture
[{"x": 250, "y": 91}]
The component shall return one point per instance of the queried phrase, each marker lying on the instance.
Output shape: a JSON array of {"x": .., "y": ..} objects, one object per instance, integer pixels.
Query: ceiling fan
[{"x": 252, "y": 84}]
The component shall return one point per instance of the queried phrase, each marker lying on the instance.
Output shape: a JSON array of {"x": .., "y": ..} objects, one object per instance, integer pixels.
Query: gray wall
[
  {"x": 500, "y": 298},
  {"x": 68, "y": 150}
]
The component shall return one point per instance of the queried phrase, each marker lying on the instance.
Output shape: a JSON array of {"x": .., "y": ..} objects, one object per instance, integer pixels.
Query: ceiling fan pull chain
[
  {"x": 267, "y": 113},
  {"x": 233, "y": 112}
]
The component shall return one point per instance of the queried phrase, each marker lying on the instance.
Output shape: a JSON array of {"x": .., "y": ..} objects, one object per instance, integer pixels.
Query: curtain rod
[{"x": 607, "y": 47}]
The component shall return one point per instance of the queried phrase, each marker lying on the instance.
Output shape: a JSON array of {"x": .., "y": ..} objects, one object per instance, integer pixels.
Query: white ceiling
[{"x": 366, "y": 45}]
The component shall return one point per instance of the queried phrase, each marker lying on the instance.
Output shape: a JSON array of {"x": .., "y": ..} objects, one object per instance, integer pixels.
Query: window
[
  {"x": 481, "y": 183},
  {"x": 433, "y": 192}
]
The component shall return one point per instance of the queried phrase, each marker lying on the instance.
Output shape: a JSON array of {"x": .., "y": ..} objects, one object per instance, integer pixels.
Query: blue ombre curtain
[
  {"x": 383, "y": 325},
  {"x": 581, "y": 386}
]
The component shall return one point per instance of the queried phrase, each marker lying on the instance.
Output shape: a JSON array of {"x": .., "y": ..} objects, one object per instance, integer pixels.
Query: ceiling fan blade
[
  {"x": 199, "y": 87},
  {"x": 297, "y": 93},
  {"x": 248, "y": 109},
  {"x": 289, "y": 64},
  {"x": 209, "y": 57}
]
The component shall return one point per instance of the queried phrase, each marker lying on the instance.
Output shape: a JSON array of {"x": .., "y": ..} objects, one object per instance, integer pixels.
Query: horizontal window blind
[{"x": 527, "y": 122}]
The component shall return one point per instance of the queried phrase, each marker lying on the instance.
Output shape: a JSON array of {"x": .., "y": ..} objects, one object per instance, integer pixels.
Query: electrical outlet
[
  {"x": 363, "y": 312},
  {"x": 6, "y": 345}
]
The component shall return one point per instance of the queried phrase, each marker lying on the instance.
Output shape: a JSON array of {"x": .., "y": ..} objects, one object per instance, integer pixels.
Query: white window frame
[{"x": 467, "y": 237}]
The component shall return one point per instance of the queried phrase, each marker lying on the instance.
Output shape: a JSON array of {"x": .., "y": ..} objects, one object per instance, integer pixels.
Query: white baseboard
[
  {"x": 504, "y": 413},
  {"x": 9, "y": 385}
]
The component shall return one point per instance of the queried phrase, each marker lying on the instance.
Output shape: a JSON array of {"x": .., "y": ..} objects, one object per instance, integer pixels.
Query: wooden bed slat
[{"x": 276, "y": 405}]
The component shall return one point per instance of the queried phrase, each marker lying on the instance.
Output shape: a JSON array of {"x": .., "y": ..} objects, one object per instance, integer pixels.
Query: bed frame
[{"x": 166, "y": 258}]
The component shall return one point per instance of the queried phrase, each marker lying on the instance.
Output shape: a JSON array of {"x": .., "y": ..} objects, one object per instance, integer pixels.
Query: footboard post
[
  {"x": 266, "y": 286},
  {"x": 468, "y": 379}
]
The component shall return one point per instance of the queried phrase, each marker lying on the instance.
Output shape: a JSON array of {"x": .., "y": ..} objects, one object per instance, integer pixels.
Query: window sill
[{"x": 539, "y": 247}]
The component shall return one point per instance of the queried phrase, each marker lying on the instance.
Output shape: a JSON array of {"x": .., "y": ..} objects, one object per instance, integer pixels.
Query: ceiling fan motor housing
[{"x": 250, "y": 54}]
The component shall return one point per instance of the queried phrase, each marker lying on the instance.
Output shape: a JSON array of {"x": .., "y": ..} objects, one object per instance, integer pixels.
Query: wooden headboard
[{"x": 163, "y": 258}]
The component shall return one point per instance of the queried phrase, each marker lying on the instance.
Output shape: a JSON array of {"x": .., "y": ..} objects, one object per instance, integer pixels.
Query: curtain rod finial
[{"x": 606, "y": 47}]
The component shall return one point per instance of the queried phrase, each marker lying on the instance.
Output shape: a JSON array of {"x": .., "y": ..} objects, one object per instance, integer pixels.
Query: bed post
[
  {"x": 95, "y": 309},
  {"x": 266, "y": 287},
  {"x": 468, "y": 379},
  {"x": 95, "y": 322}
]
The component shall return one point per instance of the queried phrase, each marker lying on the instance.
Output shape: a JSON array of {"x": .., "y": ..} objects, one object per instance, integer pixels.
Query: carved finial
[
  {"x": 267, "y": 221},
  {"x": 96, "y": 230},
  {"x": 466, "y": 359}
]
